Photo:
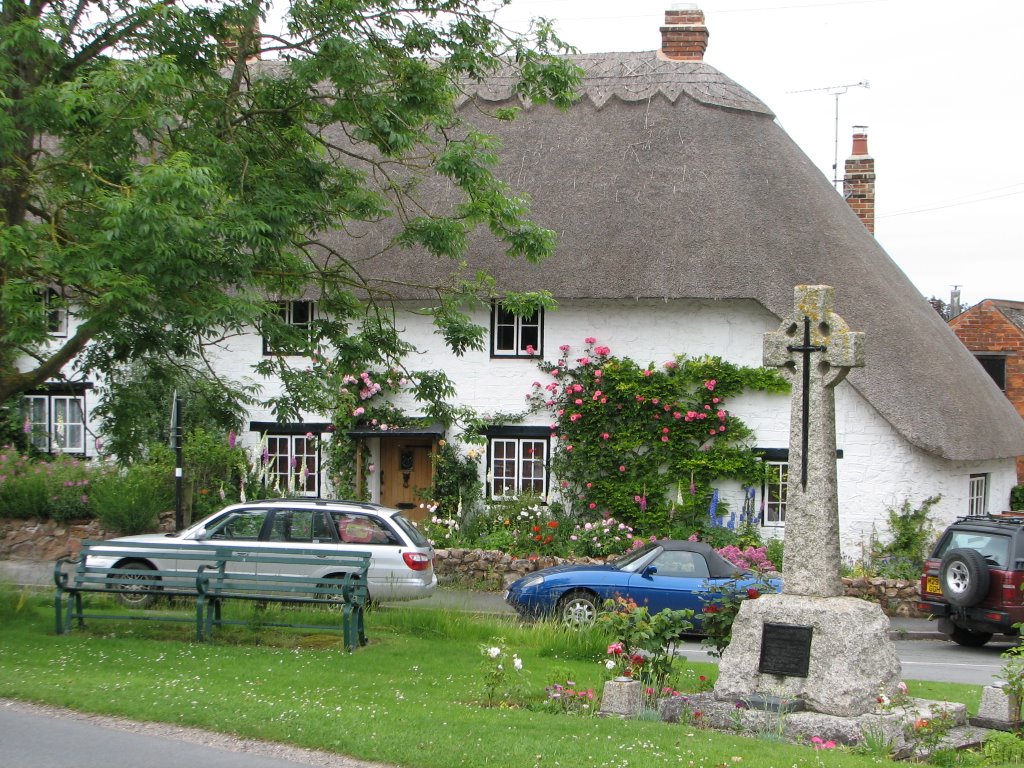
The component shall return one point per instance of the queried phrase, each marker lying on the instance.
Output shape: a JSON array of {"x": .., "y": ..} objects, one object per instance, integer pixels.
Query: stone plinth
[
  {"x": 621, "y": 698},
  {"x": 852, "y": 659},
  {"x": 998, "y": 709}
]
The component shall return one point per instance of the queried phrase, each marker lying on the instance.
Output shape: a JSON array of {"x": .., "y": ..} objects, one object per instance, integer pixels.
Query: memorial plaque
[{"x": 785, "y": 649}]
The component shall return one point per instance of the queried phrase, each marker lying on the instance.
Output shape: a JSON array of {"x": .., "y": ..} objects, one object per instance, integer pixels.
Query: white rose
[
  {"x": 517, "y": 663},
  {"x": 494, "y": 652},
  {"x": 609, "y": 664}
]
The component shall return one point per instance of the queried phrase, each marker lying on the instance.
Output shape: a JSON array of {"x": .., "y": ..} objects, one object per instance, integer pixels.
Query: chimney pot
[
  {"x": 684, "y": 36},
  {"x": 859, "y": 179}
]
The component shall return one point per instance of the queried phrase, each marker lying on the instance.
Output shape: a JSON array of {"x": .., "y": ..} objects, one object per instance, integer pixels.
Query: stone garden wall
[{"x": 482, "y": 569}]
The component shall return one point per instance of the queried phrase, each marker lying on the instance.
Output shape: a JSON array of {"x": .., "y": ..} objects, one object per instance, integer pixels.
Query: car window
[
  {"x": 302, "y": 525},
  {"x": 993, "y": 547},
  {"x": 242, "y": 525},
  {"x": 686, "y": 565},
  {"x": 635, "y": 562},
  {"x": 415, "y": 534},
  {"x": 362, "y": 529}
]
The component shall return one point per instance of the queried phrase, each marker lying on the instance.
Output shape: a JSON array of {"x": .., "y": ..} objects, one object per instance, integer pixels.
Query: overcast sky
[{"x": 943, "y": 107}]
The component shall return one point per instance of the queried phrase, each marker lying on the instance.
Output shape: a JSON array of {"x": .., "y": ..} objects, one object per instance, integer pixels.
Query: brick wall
[{"x": 985, "y": 329}]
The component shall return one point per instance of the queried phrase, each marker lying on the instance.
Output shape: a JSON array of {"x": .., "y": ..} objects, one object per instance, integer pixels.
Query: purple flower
[{"x": 232, "y": 438}]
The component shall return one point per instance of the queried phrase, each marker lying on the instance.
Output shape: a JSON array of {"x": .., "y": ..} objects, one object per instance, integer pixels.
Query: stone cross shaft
[{"x": 814, "y": 349}]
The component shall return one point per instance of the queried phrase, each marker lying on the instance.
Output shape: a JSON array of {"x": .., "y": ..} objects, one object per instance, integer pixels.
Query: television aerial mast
[{"x": 837, "y": 91}]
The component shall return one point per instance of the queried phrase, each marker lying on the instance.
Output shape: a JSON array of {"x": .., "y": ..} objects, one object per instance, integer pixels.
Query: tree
[{"x": 171, "y": 187}]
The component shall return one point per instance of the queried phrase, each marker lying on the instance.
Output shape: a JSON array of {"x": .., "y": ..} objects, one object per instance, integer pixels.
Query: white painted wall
[{"x": 879, "y": 468}]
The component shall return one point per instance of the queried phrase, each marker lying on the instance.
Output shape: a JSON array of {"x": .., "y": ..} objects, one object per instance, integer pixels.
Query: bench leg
[
  {"x": 200, "y": 604},
  {"x": 58, "y": 610}
]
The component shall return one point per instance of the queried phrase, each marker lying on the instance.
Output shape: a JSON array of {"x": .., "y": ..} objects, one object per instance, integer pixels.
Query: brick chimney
[
  {"x": 859, "y": 179},
  {"x": 684, "y": 36}
]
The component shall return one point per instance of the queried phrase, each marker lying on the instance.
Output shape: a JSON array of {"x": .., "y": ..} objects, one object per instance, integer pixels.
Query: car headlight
[{"x": 530, "y": 583}]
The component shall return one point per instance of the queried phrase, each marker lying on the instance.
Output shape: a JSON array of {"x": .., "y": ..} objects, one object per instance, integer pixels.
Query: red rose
[
  {"x": 712, "y": 608},
  {"x": 753, "y": 593},
  {"x": 536, "y": 529},
  {"x": 553, "y": 524}
]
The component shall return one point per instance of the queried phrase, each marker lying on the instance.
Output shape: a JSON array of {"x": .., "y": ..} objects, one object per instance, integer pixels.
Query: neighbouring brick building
[{"x": 994, "y": 331}]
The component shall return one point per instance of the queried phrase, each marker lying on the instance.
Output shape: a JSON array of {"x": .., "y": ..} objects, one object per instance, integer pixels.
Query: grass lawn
[{"x": 412, "y": 697}]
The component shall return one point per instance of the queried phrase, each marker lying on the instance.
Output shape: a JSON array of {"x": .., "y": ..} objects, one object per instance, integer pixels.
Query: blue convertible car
[{"x": 663, "y": 574}]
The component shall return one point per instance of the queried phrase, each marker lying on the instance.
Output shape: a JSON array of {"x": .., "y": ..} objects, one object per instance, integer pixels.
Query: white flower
[
  {"x": 609, "y": 664},
  {"x": 494, "y": 652},
  {"x": 517, "y": 663}
]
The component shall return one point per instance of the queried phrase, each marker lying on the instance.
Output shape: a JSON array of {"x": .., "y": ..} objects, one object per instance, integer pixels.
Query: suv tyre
[{"x": 964, "y": 577}]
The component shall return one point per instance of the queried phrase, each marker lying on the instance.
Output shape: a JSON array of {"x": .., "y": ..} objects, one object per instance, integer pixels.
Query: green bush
[
  {"x": 1017, "y": 498},
  {"x": 131, "y": 500},
  {"x": 57, "y": 489},
  {"x": 912, "y": 533}
]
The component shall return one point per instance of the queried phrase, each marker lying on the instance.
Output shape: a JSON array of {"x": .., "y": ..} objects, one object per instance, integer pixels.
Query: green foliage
[
  {"x": 57, "y": 489},
  {"x": 912, "y": 532},
  {"x": 1017, "y": 498},
  {"x": 1001, "y": 747},
  {"x": 502, "y": 673},
  {"x": 130, "y": 500},
  {"x": 774, "y": 552},
  {"x": 215, "y": 468},
  {"x": 643, "y": 646},
  {"x": 647, "y": 444},
  {"x": 721, "y": 604},
  {"x": 181, "y": 192},
  {"x": 519, "y": 526},
  {"x": 457, "y": 489}
]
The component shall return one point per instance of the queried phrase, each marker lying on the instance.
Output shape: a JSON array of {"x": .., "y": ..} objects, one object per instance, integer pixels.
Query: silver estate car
[{"x": 402, "y": 567}]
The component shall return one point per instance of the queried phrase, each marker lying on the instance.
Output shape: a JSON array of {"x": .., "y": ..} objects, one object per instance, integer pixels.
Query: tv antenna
[{"x": 837, "y": 91}]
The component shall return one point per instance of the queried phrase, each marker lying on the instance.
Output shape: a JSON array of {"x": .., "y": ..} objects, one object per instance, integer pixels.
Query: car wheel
[
  {"x": 964, "y": 577},
  {"x": 969, "y": 638},
  {"x": 140, "y": 596},
  {"x": 578, "y": 610}
]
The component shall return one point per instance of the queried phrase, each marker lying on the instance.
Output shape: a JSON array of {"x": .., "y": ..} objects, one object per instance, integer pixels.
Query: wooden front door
[{"x": 406, "y": 474}]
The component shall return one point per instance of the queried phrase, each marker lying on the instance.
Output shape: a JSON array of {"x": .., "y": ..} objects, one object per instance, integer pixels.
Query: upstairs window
[
  {"x": 56, "y": 312},
  {"x": 297, "y": 317},
  {"x": 514, "y": 336}
]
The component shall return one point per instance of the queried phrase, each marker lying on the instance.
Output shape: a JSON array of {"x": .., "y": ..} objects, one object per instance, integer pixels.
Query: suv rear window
[{"x": 995, "y": 548}]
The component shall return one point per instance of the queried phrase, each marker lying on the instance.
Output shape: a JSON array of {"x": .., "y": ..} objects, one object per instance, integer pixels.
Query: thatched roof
[{"x": 670, "y": 181}]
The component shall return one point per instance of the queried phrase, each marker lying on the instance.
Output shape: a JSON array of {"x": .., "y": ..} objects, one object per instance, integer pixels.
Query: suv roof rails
[
  {"x": 317, "y": 501},
  {"x": 1005, "y": 518}
]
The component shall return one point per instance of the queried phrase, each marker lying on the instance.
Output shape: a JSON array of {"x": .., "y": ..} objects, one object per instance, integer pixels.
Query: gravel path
[{"x": 301, "y": 757}]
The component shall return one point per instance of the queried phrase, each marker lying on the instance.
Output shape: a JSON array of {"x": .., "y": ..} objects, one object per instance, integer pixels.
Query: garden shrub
[
  {"x": 1017, "y": 498},
  {"x": 130, "y": 500},
  {"x": 56, "y": 489},
  {"x": 912, "y": 533}
]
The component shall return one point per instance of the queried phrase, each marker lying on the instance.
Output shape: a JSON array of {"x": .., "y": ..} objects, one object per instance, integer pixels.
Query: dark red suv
[{"x": 972, "y": 580}]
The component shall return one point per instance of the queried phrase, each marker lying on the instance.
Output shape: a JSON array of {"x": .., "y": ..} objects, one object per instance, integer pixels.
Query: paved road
[{"x": 46, "y": 737}]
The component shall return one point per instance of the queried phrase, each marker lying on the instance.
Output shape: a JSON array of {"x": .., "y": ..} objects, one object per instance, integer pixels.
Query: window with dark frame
[
  {"x": 56, "y": 313},
  {"x": 977, "y": 494},
  {"x": 995, "y": 366},
  {"x": 516, "y": 466},
  {"x": 293, "y": 463},
  {"x": 514, "y": 336},
  {"x": 295, "y": 314}
]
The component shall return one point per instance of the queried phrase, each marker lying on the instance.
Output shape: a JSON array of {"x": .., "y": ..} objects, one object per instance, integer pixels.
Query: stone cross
[{"x": 814, "y": 349}]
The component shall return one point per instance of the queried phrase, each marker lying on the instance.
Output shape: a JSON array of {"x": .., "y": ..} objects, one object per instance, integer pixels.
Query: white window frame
[
  {"x": 977, "y": 495},
  {"x": 51, "y": 428},
  {"x": 775, "y": 493},
  {"x": 517, "y": 465},
  {"x": 293, "y": 463},
  {"x": 522, "y": 330}
]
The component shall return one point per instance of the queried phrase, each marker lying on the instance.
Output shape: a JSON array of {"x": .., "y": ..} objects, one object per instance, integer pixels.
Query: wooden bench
[
  {"x": 209, "y": 575},
  {"x": 134, "y": 581},
  {"x": 348, "y": 592}
]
